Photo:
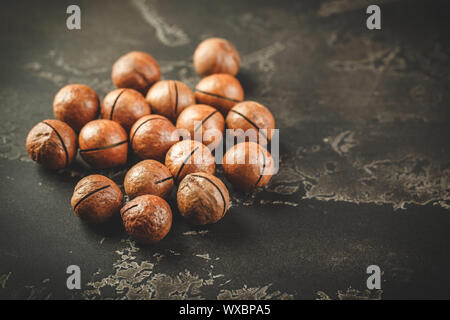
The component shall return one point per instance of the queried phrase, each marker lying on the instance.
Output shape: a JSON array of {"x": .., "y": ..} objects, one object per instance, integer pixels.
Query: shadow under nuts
[
  {"x": 96, "y": 199},
  {"x": 148, "y": 177},
  {"x": 216, "y": 55},
  {"x": 124, "y": 106},
  {"x": 76, "y": 105},
  {"x": 147, "y": 218},
  {"x": 253, "y": 116},
  {"x": 52, "y": 144},
  {"x": 136, "y": 70},
  {"x": 202, "y": 198},
  {"x": 103, "y": 144},
  {"x": 189, "y": 156},
  {"x": 169, "y": 98},
  {"x": 222, "y": 91},
  {"x": 247, "y": 165},
  {"x": 151, "y": 136},
  {"x": 204, "y": 124}
]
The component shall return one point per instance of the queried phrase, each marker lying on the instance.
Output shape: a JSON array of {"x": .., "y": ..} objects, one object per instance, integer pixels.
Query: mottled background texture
[{"x": 365, "y": 160}]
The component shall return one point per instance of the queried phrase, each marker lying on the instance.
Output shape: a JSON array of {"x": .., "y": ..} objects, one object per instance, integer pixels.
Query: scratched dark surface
[{"x": 365, "y": 169}]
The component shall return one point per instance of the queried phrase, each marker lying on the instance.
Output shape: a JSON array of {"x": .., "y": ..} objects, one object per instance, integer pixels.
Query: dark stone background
[{"x": 365, "y": 167}]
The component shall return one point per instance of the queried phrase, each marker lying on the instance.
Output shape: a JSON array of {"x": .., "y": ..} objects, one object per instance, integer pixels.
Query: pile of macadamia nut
[{"x": 174, "y": 131}]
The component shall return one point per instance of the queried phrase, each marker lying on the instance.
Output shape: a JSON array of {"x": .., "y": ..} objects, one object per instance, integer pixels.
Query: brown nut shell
[
  {"x": 187, "y": 157},
  {"x": 216, "y": 55},
  {"x": 136, "y": 70},
  {"x": 222, "y": 91},
  {"x": 250, "y": 115},
  {"x": 151, "y": 136},
  {"x": 204, "y": 124},
  {"x": 103, "y": 144},
  {"x": 147, "y": 218},
  {"x": 96, "y": 199},
  {"x": 202, "y": 198},
  {"x": 124, "y": 106},
  {"x": 76, "y": 105},
  {"x": 52, "y": 144},
  {"x": 148, "y": 177},
  {"x": 248, "y": 165},
  {"x": 169, "y": 98}
]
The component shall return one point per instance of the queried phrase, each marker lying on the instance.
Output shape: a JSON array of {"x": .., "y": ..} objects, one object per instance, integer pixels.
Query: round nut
[
  {"x": 147, "y": 218},
  {"x": 151, "y": 136},
  {"x": 189, "y": 156},
  {"x": 255, "y": 120},
  {"x": 148, "y": 177},
  {"x": 169, "y": 98},
  {"x": 124, "y": 106},
  {"x": 216, "y": 55},
  {"x": 204, "y": 124},
  {"x": 136, "y": 70},
  {"x": 103, "y": 144},
  {"x": 221, "y": 90},
  {"x": 248, "y": 165},
  {"x": 52, "y": 144},
  {"x": 76, "y": 105},
  {"x": 202, "y": 198},
  {"x": 96, "y": 199}
]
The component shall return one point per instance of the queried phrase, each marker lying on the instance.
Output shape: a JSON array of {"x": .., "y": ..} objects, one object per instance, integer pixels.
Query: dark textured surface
[{"x": 364, "y": 173}]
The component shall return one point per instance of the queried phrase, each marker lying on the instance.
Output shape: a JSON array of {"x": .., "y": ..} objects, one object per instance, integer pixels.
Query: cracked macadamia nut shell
[
  {"x": 136, "y": 70},
  {"x": 76, "y": 105},
  {"x": 204, "y": 124},
  {"x": 187, "y": 157},
  {"x": 248, "y": 165},
  {"x": 253, "y": 116},
  {"x": 202, "y": 198},
  {"x": 124, "y": 106},
  {"x": 216, "y": 55},
  {"x": 52, "y": 144},
  {"x": 169, "y": 98},
  {"x": 148, "y": 177},
  {"x": 103, "y": 144},
  {"x": 221, "y": 91},
  {"x": 96, "y": 199},
  {"x": 151, "y": 136},
  {"x": 147, "y": 218}
]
